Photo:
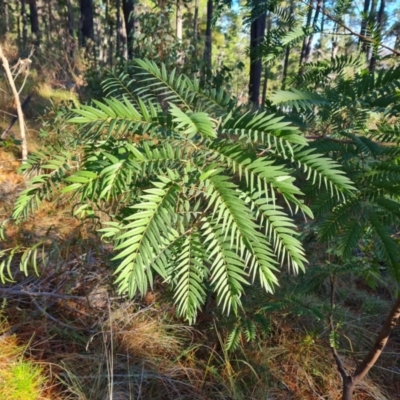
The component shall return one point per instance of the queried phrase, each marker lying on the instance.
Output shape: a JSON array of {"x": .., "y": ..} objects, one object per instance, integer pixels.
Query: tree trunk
[
  {"x": 208, "y": 44},
  {"x": 257, "y": 31},
  {"x": 86, "y": 23},
  {"x": 118, "y": 49},
  {"x": 5, "y": 20},
  {"x": 348, "y": 388},
  {"x": 287, "y": 54},
  {"x": 304, "y": 46},
  {"x": 33, "y": 17},
  {"x": 310, "y": 38},
  {"x": 179, "y": 28},
  {"x": 350, "y": 381},
  {"x": 128, "y": 8},
  {"x": 379, "y": 22},
  {"x": 71, "y": 18},
  {"x": 50, "y": 28}
]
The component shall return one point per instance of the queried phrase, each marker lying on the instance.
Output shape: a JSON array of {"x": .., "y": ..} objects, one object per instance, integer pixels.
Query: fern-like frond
[
  {"x": 189, "y": 275},
  {"x": 139, "y": 239}
]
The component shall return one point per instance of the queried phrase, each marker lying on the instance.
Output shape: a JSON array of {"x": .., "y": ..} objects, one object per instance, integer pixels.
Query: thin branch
[
  {"x": 319, "y": 137},
  {"x": 332, "y": 329},
  {"x": 13, "y": 292},
  {"x": 379, "y": 344},
  {"x": 6, "y": 66}
]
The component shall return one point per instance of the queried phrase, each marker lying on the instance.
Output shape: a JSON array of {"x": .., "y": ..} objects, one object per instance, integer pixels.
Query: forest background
[{"x": 200, "y": 199}]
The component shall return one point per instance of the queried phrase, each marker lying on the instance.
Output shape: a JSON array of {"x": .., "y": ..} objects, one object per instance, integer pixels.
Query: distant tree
[
  {"x": 208, "y": 42},
  {"x": 86, "y": 22},
  {"x": 128, "y": 8},
  {"x": 34, "y": 20},
  {"x": 257, "y": 31}
]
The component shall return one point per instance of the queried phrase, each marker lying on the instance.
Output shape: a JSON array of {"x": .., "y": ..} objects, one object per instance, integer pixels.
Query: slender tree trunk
[
  {"x": 310, "y": 38},
  {"x": 208, "y": 44},
  {"x": 287, "y": 54},
  {"x": 118, "y": 28},
  {"x": 71, "y": 18},
  {"x": 86, "y": 23},
  {"x": 5, "y": 19},
  {"x": 350, "y": 381},
  {"x": 33, "y": 17},
  {"x": 179, "y": 28},
  {"x": 128, "y": 8},
  {"x": 257, "y": 31},
  {"x": 123, "y": 39},
  {"x": 71, "y": 44},
  {"x": 379, "y": 21},
  {"x": 50, "y": 14},
  {"x": 303, "y": 54},
  {"x": 110, "y": 35}
]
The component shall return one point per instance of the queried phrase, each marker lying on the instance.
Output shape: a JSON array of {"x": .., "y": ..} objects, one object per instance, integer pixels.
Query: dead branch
[{"x": 11, "y": 81}]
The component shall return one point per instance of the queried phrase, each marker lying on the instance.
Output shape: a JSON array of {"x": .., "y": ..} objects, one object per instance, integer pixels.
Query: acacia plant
[
  {"x": 198, "y": 191},
  {"x": 355, "y": 121}
]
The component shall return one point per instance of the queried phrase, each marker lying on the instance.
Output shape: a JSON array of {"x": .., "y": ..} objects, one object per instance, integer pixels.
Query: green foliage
[
  {"x": 351, "y": 117},
  {"x": 192, "y": 193}
]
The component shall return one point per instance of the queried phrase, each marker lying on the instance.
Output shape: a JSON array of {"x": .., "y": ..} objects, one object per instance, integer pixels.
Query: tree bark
[
  {"x": 304, "y": 46},
  {"x": 33, "y": 17},
  {"x": 128, "y": 8},
  {"x": 86, "y": 23},
  {"x": 257, "y": 31}
]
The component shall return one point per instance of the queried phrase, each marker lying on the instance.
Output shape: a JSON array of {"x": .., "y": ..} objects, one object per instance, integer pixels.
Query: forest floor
[{"x": 89, "y": 343}]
